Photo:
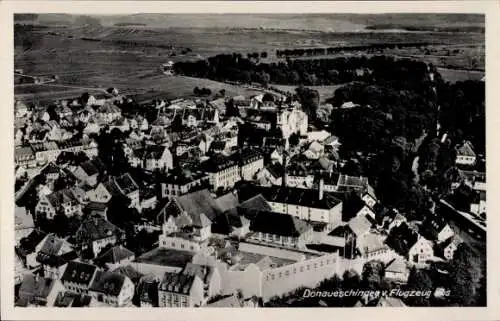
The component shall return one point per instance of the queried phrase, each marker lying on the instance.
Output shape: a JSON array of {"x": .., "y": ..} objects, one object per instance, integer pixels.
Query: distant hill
[{"x": 311, "y": 22}]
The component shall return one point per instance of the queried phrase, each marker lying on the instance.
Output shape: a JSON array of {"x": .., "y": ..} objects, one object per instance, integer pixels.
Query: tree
[
  {"x": 309, "y": 100},
  {"x": 373, "y": 274},
  {"x": 177, "y": 124},
  {"x": 231, "y": 109},
  {"x": 464, "y": 276},
  {"x": 294, "y": 139},
  {"x": 419, "y": 280}
]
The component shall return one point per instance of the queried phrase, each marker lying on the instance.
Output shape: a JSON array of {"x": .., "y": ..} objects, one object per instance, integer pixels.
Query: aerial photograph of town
[{"x": 249, "y": 160}]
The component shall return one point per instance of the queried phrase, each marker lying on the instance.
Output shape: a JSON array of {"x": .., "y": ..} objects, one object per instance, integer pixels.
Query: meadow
[{"x": 129, "y": 56}]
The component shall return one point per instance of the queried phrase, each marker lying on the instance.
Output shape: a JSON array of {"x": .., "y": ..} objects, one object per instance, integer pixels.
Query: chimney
[{"x": 321, "y": 188}]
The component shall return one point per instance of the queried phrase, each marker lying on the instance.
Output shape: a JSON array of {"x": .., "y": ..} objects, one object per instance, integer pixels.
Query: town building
[
  {"x": 53, "y": 253},
  {"x": 63, "y": 201},
  {"x": 78, "y": 276},
  {"x": 95, "y": 233},
  {"x": 181, "y": 182},
  {"x": 180, "y": 290},
  {"x": 223, "y": 171},
  {"x": 250, "y": 162},
  {"x": 465, "y": 154},
  {"x": 37, "y": 291},
  {"x": 112, "y": 288}
]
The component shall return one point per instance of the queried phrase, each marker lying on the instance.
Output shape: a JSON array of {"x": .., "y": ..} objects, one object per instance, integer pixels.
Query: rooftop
[
  {"x": 166, "y": 257},
  {"x": 177, "y": 283},
  {"x": 78, "y": 272},
  {"x": 109, "y": 283}
]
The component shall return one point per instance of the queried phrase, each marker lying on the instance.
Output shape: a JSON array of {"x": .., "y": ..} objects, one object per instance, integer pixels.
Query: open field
[
  {"x": 325, "y": 92},
  {"x": 453, "y": 75},
  {"x": 129, "y": 57}
]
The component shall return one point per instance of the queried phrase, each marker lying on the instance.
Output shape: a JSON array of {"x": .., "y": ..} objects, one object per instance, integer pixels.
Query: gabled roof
[
  {"x": 96, "y": 228},
  {"x": 78, "y": 272},
  {"x": 227, "y": 201},
  {"x": 360, "y": 225},
  {"x": 228, "y": 301},
  {"x": 204, "y": 272},
  {"x": 36, "y": 288},
  {"x": 115, "y": 255},
  {"x": 398, "y": 265},
  {"x": 65, "y": 196},
  {"x": 126, "y": 183},
  {"x": 129, "y": 272},
  {"x": 279, "y": 224},
  {"x": 196, "y": 204},
  {"x": 177, "y": 283},
  {"x": 109, "y": 283},
  {"x": 466, "y": 150},
  {"x": 298, "y": 196}
]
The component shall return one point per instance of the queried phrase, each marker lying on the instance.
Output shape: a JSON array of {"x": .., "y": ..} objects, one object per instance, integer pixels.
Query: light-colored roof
[
  {"x": 398, "y": 265},
  {"x": 360, "y": 225}
]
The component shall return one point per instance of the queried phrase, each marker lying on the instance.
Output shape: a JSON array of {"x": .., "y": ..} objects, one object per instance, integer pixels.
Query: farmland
[{"x": 128, "y": 55}]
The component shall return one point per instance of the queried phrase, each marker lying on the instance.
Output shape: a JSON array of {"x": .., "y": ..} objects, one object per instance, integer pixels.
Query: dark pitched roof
[
  {"x": 115, "y": 254},
  {"x": 166, "y": 257},
  {"x": 432, "y": 226},
  {"x": 247, "y": 155},
  {"x": 35, "y": 288},
  {"x": 148, "y": 292},
  {"x": 109, "y": 283},
  {"x": 218, "y": 163},
  {"x": 197, "y": 204},
  {"x": 177, "y": 283},
  {"x": 298, "y": 196},
  {"x": 204, "y": 272},
  {"x": 78, "y": 272},
  {"x": 29, "y": 243},
  {"x": 96, "y": 228},
  {"x": 65, "y": 196},
  {"x": 126, "y": 183},
  {"x": 275, "y": 169},
  {"x": 129, "y": 272},
  {"x": 279, "y": 224}
]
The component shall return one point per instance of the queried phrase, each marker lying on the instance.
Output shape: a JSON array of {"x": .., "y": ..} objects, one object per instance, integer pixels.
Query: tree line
[
  {"x": 308, "y": 72},
  {"x": 300, "y": 52}
]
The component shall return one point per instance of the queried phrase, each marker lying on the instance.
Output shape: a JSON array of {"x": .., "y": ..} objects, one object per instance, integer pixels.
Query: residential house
[
  {"x": 397, "y": 270},
  {"x": 112, "y": 288},
  {"x": 436, "y": 228},
  {"x": 309, "y": 205},
  {"x": 63, "y": 201},
  {"x": 114, "y": 257},
  {"x": 369, "y": 197},
  {"x": 95, "y": 233},
  {"x": 152, "y": 157},
  {"x": 24, "y": 224},
  {"x": 123, "y": 185},
  {"x": 421, "y": 251},
  {"x": 36, "y": 291},
  {"x": 140, "y": 123},
  {"x": 180, "y": 182},
  {"x": 447, "y": 248},
  {"x": 371, "y": 246},
  {"x": 194, "y": 212},
  {"x": 209, "y": 275},
  {"x": 78, "y": 276},
  {"x": 250, "y": 163},
  {"x": 465, "y": 154},
  {"x": 89, "y": 171},
  {"x": 223, "y": 171},
  {"x": 121, "y": 123},
  {"x": 148, "y": 291},
  {"x": 478, "y": 205},
  {"x": 53, "y": 253},
  {"x": 272, "y": 174},
  {"x": 179, "y": 290},
  {"x": 28, "y": 246},
  {"x": 280, "y": 229},
  {"x": 109, "y": 112}
]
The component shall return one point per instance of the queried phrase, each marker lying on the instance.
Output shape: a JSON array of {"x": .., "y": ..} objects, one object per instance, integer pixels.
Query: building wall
[
  {"x": 308, "y": 273},
  {"x": 466, "y": 160},
  {"x": 445, "y": 234},
  {"x": 157, "y": 270},
  {"x": 421, "y": 251},
  {"x": 248, "y": 171},
  {"x": 98, "y": 245},
  {"x": 177, "y": 243}
]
